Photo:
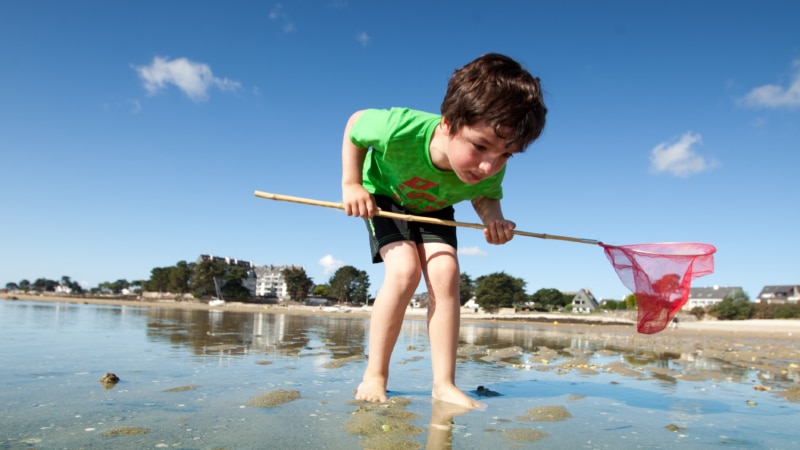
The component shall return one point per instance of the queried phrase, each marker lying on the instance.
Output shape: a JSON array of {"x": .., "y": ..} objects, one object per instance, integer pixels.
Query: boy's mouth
[{"x": 472, "y": 177}]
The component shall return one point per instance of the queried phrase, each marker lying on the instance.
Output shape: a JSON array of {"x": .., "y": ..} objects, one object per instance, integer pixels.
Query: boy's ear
[{"x": 445, "y": 124}]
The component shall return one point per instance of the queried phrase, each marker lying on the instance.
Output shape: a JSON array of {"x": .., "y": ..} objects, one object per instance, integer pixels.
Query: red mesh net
[{"x": 660, "y": 275}]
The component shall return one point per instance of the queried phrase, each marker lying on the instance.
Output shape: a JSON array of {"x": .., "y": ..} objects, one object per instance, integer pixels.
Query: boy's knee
[{"x": 405, "y": 275}]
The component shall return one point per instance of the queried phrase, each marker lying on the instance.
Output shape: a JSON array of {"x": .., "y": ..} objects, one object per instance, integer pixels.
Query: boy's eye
[
  {"x": 507, "y": 155},
  {"x": 479, "y": 147}
]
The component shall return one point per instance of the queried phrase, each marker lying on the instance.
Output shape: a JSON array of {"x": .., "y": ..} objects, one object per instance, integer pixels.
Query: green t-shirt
[{"x": 399, "y": 163}]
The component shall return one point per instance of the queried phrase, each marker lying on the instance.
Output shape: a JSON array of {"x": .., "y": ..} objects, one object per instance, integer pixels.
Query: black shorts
[{"x": 383, "y": 230}]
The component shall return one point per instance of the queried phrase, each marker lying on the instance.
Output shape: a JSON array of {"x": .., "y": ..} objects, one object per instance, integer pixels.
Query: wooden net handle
[{"x": 413, "y": 218}]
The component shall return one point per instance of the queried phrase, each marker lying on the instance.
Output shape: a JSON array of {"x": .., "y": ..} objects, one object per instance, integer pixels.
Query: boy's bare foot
[
  {"x": 451, "y": 394},
  {"x": 372, "y": 390}
]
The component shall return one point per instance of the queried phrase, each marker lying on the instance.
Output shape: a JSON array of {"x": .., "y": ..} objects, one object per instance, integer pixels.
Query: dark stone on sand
[
  {"x": 485, "y": 392},
  {"x": 109, "y": 380}
]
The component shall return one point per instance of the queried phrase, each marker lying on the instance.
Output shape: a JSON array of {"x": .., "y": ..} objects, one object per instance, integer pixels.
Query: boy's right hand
[{"x": 357, "y": 201}]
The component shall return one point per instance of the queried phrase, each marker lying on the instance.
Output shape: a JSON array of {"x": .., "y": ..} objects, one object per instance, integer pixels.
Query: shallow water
[{"x": 186, "y": 378}]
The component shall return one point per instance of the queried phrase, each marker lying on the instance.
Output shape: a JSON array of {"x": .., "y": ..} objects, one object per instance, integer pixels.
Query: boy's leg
[
  {"x": 401, "y": 279},
  {"x": 442, "y": 275}
]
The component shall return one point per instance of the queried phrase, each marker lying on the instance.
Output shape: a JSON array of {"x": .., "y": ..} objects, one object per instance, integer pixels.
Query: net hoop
[
  {"x": 701, "y": 249},
  {"x": 660, "y": 275}
]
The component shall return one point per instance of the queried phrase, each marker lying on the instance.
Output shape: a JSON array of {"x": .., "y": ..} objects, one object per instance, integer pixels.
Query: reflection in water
[{"x": 237, "y": 333}]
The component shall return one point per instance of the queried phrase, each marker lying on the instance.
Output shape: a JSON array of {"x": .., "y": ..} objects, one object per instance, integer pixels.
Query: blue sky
[{"x": 133, "y": 134}]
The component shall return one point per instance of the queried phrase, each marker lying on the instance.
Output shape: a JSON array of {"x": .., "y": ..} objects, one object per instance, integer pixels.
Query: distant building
[
  {"x": 63, "y": 289},
  {"x": 584, "y": 302},
  {"x": 779, "y": 294},
  {"x": 709, "y": 296},
  {"x": 261, "y": 281},
  {"x": 270, "y": 281},
  {"x": 247, "y": 265}
]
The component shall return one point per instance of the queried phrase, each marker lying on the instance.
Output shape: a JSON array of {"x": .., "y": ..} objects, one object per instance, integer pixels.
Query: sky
[{"x": 133, "y": 134}]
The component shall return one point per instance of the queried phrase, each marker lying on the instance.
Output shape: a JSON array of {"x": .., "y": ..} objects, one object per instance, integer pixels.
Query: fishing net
[{"x": 660, "y": 275}]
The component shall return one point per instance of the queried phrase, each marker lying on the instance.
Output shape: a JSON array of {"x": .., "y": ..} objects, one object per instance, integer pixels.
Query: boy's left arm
[{"x": 498, "y": 230}]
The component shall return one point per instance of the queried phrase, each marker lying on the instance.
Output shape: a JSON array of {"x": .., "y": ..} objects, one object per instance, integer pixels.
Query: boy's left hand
[{"x": 499, "y": 231}]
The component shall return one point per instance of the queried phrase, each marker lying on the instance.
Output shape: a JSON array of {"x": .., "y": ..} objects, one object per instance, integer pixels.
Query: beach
[
  {"x": 767, "y": 345},
  {"x": 227, "y": 376},
  {"x": 688, "y": 325}
]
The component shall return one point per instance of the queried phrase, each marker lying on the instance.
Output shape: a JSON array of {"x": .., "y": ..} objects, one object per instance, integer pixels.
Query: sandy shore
[{"x": 789, "y": 329}]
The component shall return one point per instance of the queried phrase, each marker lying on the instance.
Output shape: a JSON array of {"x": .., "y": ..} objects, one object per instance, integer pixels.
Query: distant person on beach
[{"x": 414, "y": 162}]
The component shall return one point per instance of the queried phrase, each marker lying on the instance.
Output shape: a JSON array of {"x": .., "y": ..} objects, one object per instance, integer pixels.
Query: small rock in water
[
  {"x": 485, "y": 392},
  {"x": 109, "y": 380}
]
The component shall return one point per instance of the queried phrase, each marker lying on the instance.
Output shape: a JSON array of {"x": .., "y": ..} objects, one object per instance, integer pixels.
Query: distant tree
[
  {"x": 733, "y": 307},
  {"x": 566, "y": 299},
  {"x": 466, "y": 289},
  {"x": 233, "y": 287},
  {"x": 178, "y": 278},
  {"x": 698, "y": 311},
  {"x": 136, "y": 286},
  {"x": 630, "y": 301},
  {"x": 159, "y": 280},
  {"x": 548, "y": 298},
  {"x": 777, "y": 311},
  {"x": 613, "y": 305},
  {"x": 349, "y": 284},
  {"x": 298, "y": 282},
  {"x": 75, "y": 287},
  {"x": 202, "y": 282},
  {"x": 787, "y": 311},
  {"x": 24, "y": 285},
  {"x": 118, "y": 286},
  {"x": 44, "y": 285},
  {"x": 499, "y": 290},
  {"x": 113, "y": 287},
  {"x": 11, "y": 286},
  {"x": 322, "y": 290}
]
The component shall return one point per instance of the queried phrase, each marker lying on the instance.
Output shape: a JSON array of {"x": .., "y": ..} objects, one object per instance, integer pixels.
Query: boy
[{"x": 422, "y": 163}]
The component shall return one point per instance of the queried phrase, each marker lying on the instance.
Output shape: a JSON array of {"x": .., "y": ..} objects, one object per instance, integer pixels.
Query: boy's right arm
[{"x": 355, "y": 199}]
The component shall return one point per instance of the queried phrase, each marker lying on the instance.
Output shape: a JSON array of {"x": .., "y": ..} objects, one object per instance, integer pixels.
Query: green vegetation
[
  {"x": 733, "y": 307},
  {"x": 298, "y": 284},
  {"x": 466, "y": 289},
  {"x": 349, "y": 285},
  {"x": 499, "y": 290}
]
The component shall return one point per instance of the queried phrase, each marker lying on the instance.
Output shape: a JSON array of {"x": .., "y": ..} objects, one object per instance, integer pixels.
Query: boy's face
[{"x": 476, "y": 152}]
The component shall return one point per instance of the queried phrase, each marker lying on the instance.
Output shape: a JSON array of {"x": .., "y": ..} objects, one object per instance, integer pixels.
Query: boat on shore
[{"x": 218, "y": 300}]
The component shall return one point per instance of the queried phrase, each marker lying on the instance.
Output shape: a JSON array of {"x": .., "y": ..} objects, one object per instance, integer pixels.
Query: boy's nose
[{"x": 487, "y": 165}]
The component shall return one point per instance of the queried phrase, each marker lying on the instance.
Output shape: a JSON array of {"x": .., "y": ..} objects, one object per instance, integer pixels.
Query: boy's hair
[{"x": 497, "y": 89}]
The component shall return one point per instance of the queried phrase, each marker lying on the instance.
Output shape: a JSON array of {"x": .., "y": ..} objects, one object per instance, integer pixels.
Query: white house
[
  {"x": 584, "y": 301},
  {"x": 270, "y": 282},
  {"x": 779, "y": 294},
  {"x": 708, "y": 296}
]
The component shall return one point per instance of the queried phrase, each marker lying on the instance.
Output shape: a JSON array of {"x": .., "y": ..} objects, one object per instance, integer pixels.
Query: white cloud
[
  {"x": 193, "y": 78},
  {"x": 776, "y": 96},
  {"x": 363, "y": 38},
  {"x": 679, "y": 158},
  {"x": 276, "y": 14},
  {"x": 472, "y": 251},
  {"x": 329, "y": 264}
]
